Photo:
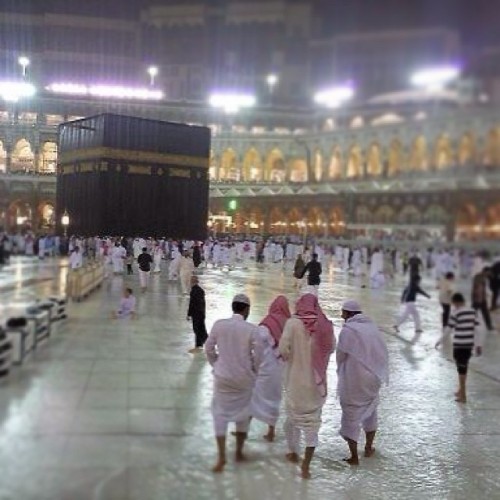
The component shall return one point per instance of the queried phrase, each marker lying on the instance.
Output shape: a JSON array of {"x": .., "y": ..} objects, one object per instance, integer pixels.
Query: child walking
[{"x": 463, "y": 322}]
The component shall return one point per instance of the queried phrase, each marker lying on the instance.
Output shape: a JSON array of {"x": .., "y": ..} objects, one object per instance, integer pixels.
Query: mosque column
[{"x": 8, "y": 157}]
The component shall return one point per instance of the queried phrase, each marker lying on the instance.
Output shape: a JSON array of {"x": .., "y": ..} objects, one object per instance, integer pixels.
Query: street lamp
[
  {"x": 272, "y": 80},
  {"x": 153, "y": 73},
  {"x": 24, "y": 63},
  {"x": 65, "y": 222}
]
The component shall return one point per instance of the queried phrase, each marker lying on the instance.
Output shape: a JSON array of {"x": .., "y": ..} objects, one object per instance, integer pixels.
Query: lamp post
[
  {"x": 65, "y": 222},
  {"x": 24, "y": 62},
  {"x": 272, "y": 80},
  {"x": 153, "y": 73}
]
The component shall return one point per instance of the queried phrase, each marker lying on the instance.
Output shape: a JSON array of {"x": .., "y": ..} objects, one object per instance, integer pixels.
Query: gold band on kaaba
[{"x": 133, "y": 156}]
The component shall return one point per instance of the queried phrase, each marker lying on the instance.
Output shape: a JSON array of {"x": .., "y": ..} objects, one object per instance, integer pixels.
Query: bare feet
[
  {"x": 292, "y": 457},
  {"x": 304, "y": 472},
  {"x": 219, "y": 467},
  {"x": 240, "y": 457},
  {"x": 461, "y": 399},
  {"x": 270, "y": 435},
  {"x": 351, "y": 460},
  {"x": 195, "y": 350},
  {"x": 369, "y": 452}
]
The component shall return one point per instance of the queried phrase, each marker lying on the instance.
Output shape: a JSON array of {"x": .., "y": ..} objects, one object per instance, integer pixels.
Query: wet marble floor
[{"x": 119, "y": 410}]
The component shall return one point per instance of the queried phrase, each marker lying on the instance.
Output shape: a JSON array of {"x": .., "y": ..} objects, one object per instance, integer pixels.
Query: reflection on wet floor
[{"x": 119, "y": 410}]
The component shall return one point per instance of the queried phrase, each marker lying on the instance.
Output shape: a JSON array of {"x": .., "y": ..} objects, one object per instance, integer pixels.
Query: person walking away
[
  {"x": 306, "y": 346},
  {"x": 234, "y": 350},
  {"x": 415, "y": 265},
  {"x": 127, "y": 306},
  {"x": 479, "y": 296},
  {"x": 446, "y": 289},
  {"x": 362, "y": 368},
  {"x": 197, "y": 312},
  {"x": 75, "y": 259},
  {"x": 196, "y": 256},
  {"x": 495, "y": 283},
  {"x": 313, "y": 270},
  {"x": 463, "y": 323},
  {"x": 129, "y": 261},
  {"x": 298, "y": 270},
  {"x": 409, "y": 301},
  {"x": 186, "y": 269},
  {"x": 144, "y": 260},
  {"x": 266, "y": 398}
]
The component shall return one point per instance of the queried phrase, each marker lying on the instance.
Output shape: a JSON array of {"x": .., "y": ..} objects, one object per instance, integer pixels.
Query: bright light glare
[
  {"x": 153, "y": 71},
  {"x": 435, "y": 78},
  {"x": 24, "y": 61},
  {"x": 232, "y": 103},
  {"x": 272, "y": 80},
  {"x": 112, "y": 91},
  {"x": 13, "y": 91},
  {"x": 334, "y": 97}
]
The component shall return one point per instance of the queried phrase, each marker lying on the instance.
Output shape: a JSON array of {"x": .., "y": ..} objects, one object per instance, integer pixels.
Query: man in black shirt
[
  {"x": 415, "y": 264},
  {"x": 197, "y": 312},
  {"x": 409, "y": 300},
  {"x": 144, "y": 260},
  {"x": 313, "y": 267}
]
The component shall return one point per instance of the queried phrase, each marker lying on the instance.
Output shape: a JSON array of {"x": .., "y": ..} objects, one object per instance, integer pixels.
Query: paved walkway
[{"x": 118, "y": 409}]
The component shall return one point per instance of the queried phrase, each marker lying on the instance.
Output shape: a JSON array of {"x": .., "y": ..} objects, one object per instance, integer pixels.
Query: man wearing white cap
[
  {"x": 362, "y": 367},
  {"x": 235, "y": 353}
]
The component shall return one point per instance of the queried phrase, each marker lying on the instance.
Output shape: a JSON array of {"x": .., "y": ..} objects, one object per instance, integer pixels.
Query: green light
[{"x": 233, "y": 205}]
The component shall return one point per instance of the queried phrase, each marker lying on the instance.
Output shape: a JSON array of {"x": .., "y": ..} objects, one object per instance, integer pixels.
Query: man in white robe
[
  {"x": 186, "y": 270},
  {"x": 157, "y": 257},
  {"x": 306, "y": 346},
  {"x": 362, "y": 368},
  {"x": 234, "y": 350},
  {"x": 118, "y": 256}
]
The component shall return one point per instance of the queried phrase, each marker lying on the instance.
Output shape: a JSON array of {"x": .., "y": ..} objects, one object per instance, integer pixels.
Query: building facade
[{"x": 414, "y": 170}]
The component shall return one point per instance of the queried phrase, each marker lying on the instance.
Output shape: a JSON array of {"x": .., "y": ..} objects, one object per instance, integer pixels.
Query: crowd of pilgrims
[
  {"x": 287, "y": 354},
  {"x": 376, "y": 263}
]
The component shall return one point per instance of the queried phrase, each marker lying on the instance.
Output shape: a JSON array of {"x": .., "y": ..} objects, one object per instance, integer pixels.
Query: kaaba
[{"x": 130, "y": 176}]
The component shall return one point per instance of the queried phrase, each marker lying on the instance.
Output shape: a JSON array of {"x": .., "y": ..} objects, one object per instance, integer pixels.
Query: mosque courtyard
[{"x": 118, "y": 409}]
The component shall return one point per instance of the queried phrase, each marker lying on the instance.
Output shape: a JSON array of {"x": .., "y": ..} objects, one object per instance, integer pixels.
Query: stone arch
[
  {"x": 443, "y": 153},
  {"x": 228, "y": 166},
  {"x": 335, "y": 169},
  {"x": 256, "y": 220},
  {"x": 435, "y": 214},
  {"x": 492, "y": 221},
  {"x": 46, "y": 214},
  {"x": 295, "y": 220},
  {"x": 316, "y": 221},
  {"x": 395, "y": 158},
  {"x": 19, "y": 215},
  {"x": 467, "y": 149},
  {"x": 277, "y": 221},
  {"x": 355, "y": 162},
  {"x": 48, "y": 158},
  {"x": 318, "y": 165},
  {"x": 337, "y": 221},
  {"x": 409, "y": 214},
  {"x": 3, "y": 158},
  {"x": 385, "y": 214},
  {"x": 252, "y": 166},
  {"x": 363, "y": 215},
  {"x": 492, "y": 148},
  {"x": 467, "y": 220},
  {"x": 23, "y": 158},
  {"x": 275, "y": 168},
  {"x": 374, "y": 165},
  {"x": 419, "y": 159},
  {"x": 298, "y": 170}
]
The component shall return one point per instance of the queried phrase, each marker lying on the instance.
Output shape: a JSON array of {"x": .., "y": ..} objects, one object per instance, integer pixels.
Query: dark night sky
[{"x": 477, "y": 20}]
